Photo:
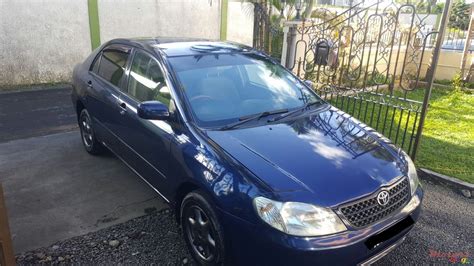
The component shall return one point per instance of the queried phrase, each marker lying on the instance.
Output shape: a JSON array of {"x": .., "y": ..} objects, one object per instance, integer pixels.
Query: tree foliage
[
  {"x": 429, "y": 7},
  {"x": 460, "y": 15}
]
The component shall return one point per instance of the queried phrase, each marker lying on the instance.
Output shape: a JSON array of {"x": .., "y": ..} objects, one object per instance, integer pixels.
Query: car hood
[{"x": 328, "y": 155}]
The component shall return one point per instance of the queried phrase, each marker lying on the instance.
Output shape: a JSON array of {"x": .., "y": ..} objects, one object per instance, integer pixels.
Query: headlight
[
  {"x": 412, "y": 175},
  {"x": 299, "y": 219}
]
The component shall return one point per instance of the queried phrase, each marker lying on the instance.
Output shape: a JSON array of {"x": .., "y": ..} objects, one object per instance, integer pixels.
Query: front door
[{"x": 148, "y": 140}]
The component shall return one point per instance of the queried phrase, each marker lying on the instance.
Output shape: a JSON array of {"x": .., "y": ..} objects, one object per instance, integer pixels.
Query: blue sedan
[{"x": 258, "y": 168}]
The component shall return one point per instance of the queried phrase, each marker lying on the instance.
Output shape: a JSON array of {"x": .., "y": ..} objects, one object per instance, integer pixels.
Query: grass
[{"x": 447, "y": 144}]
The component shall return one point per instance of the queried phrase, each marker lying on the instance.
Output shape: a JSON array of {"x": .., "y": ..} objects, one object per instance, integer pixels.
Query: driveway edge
[
  {"x": 455, "y": 184},
  {"x": 34, "y": 87}
]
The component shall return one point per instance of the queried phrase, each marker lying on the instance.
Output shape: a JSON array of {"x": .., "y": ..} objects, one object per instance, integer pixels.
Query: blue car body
[{"x": 322, "y": 157}]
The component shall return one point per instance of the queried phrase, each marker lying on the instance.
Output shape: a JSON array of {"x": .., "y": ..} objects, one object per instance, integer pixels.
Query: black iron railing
[{"x": 371, "y": 62}]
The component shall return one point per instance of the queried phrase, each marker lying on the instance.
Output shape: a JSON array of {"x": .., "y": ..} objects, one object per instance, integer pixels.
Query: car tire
[
  {"x": 202, "y": 231},
  {"x": 88, "y": 137}
]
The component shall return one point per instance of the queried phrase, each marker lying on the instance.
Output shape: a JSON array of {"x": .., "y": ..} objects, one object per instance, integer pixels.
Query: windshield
[{"x": 221, "y": 88}]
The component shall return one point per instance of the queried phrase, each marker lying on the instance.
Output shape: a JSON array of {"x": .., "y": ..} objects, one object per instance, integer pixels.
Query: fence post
[
  {"x": 467, "y": 43},
  {"x": 430, "y": 75}
]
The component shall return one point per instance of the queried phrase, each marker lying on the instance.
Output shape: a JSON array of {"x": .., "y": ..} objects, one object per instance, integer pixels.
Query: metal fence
[
  {"x": 367, "y": 63},
  {"x": 454, "y": 40},
  {"x": 267, "y": 33}
]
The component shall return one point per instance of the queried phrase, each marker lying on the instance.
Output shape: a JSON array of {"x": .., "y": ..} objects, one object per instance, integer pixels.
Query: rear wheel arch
[
  {"x": 89, "y": 139},
  {"x": 79, "y": 107}
]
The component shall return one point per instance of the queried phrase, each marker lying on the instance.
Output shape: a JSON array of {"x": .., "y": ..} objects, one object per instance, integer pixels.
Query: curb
[
  {"x": 30, "y": 88},
  {"x": 466, "y": 189}
]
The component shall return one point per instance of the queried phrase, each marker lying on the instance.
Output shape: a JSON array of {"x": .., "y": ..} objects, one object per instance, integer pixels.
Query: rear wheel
[
  {"x": 89, "y": 140},
  {"x": 202, "y": 231}
]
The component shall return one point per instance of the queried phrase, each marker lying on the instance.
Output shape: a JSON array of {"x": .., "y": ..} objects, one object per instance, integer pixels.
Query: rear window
[{"x": 112, "y": 65}]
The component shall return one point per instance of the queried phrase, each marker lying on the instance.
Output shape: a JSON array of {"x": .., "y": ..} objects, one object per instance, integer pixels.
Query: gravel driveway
[{"x": 444, "y": 234}]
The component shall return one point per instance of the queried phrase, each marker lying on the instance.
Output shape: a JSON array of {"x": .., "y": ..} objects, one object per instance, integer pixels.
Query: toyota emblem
[{"x": 383, "y": 198}]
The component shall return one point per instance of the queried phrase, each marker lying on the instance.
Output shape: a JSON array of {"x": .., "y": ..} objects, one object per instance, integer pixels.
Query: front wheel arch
[{"x": 182, "y": 191}]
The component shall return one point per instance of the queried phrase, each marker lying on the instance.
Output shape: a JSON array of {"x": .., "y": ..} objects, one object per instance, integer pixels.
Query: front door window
[{"x": 146, "y": 82}]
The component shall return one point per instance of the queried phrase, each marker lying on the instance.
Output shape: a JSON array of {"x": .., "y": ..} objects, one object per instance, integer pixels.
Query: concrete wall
[
  {"x": 41, "y": 40},
  {"x": 449, "y": 64},
  {"x": 139, "y": 18},
  {"x": 240, "y": 22}
]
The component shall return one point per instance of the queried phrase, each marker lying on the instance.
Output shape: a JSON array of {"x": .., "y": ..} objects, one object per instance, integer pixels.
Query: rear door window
[
  {"x": 95, "y": 66},
  {"x": 112, "y": 65}
]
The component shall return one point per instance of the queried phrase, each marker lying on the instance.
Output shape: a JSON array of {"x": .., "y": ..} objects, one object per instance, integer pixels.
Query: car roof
[{"x": 178, "y": 46}]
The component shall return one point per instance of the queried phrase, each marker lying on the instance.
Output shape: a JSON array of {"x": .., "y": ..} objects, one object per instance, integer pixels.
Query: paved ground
[
  {"x": 36, "y": 113},
  {"x": 55, "y": 191}
]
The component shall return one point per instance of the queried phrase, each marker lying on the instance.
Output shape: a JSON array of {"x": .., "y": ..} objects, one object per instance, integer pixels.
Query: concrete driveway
[
  {"x": 36, "y": 113},
  {"x": 54, "y": 190}
]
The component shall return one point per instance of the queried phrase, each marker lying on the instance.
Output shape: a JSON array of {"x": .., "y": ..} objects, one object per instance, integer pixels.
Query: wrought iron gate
[
  {"x": 267, "y": 34},
  {"x": 372, "y": 62}
]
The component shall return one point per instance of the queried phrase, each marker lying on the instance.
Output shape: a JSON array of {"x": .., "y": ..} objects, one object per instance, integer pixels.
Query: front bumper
[{"x": 263, "y": 245}]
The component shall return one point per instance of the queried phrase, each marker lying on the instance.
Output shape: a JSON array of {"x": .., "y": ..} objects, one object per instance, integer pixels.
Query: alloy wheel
[
  {"x": 86, "y": 130},
  {"x": 200, "y": 232}
]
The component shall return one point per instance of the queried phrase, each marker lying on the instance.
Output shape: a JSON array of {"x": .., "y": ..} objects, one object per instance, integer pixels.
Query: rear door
[
  {"x": 148, "y": 141},
  {"x": 107, "y": 81}
]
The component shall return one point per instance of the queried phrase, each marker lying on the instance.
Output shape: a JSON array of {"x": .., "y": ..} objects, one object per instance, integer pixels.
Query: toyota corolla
[{"x": 258, "y": 168}]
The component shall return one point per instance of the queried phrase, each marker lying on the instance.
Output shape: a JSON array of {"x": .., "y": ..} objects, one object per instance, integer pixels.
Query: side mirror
[
  {"x": 309, "y": 83},
  {"x": 153, "y": 110}
]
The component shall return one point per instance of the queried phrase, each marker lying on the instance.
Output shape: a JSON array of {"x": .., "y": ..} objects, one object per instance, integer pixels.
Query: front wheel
[
  {"x": 202, "y": 231},
  {"x": 89, "y": 140}
]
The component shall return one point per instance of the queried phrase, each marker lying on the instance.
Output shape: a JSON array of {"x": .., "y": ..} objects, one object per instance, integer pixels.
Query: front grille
[{"x": 367, "y": 210}]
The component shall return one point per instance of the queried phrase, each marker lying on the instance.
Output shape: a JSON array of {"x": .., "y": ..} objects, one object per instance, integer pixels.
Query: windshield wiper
[
  {"x": 302, "y": 108},
  {"x": 245, "y": 119}
]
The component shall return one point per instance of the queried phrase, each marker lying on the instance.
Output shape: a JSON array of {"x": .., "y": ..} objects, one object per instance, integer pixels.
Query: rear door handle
[
  {"x": 89, "y": 84},
  {"x": 123, "y": 108}
]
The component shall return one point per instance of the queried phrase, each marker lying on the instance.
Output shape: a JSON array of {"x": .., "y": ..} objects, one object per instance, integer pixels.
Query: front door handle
[
  {"x": 123, "y": 108},
  {"x": 89, "y": 84}
]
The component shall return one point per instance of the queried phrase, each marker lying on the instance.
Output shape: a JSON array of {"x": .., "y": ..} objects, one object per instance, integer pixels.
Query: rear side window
[
  {"x": 112, "y": 65},
  {"x": 95, "y": 66}
]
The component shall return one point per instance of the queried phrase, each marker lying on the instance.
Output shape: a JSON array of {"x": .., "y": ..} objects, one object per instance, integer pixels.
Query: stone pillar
[
  {"x": 284, "y": 48},
  {"x": 290, "y": 44}
]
